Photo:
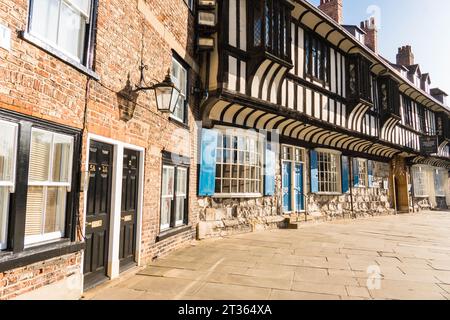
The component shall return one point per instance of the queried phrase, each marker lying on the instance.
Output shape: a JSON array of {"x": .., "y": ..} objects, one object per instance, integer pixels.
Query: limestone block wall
[
  {"x": 363, "y": 202},
  {"x": 222, "y": 217}
]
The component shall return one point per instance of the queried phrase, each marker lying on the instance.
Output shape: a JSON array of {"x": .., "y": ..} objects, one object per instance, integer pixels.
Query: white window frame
[
  {"x": 175, "y": 197},
  {"x": 182, "y": 102},
  {"x": 182, "y": 196},
  {"x": 337, "y": 154},
  {"x": 422, "y": 171},
  {"x": 46, "y": 237},
  {"x": 259, "y": 139},
  {"x": 73, "y": 6},
  {"x": 440, "y": 175},
  {"x": 166, "y": 226},
  {"x": 11, "y": 185},
  {"x": 363, "y": 176}
]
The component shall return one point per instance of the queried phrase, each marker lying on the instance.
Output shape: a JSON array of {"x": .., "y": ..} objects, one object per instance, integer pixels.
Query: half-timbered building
[{"x": 303, "y": 116}]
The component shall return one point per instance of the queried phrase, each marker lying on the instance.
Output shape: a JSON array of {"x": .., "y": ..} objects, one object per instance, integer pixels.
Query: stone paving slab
[{"x": 390, "y": 257}]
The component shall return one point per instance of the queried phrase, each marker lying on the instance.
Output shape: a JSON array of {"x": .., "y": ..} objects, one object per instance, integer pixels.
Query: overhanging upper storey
[
  {"x": 269, "y": 30},
  {"x": 310, "y": 16},
  {"x": 268, "y": 47},
  {"x": 359, "y": 88}
]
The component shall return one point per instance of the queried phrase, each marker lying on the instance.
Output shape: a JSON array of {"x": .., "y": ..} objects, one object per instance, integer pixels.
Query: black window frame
[
  {"x": 176, "y": 161},
  {"x": 271, "y": 21},
  {"x": 87, "y": 63},
  {"x": 407, "y": 111},
  {"x": 422, "y": 120},
  {"x": 359, "y": 78},
  {"x": 316, "y": 66},
  {"x": 187, "y": 67},
  {"x": 389, "y": 98},
  {"x": 16, "y": 253},
  {"x": 191, "y": 7}
]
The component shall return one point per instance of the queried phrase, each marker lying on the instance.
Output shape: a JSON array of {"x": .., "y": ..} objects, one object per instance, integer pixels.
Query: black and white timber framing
[{"x": 263, "y": 83}]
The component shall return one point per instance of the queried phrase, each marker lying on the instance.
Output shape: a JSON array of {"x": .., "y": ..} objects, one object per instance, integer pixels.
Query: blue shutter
[
  {"x": 269, "y": 174},
  {"x": 355, "y": 172},
  {"x": 207, "y": 176},
  {"x": 370, "y": 172},
  {"x": 314, "y": 172},
  {"x": 345, "y": 174}
]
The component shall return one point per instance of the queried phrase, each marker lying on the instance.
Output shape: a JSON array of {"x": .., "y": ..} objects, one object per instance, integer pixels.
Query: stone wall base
[{"x": 228, "y": 227}]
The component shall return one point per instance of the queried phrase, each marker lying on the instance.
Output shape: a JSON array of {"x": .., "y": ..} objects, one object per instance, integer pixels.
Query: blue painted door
[
  {"x": 298, "y": 188},
  {"x": 287, "y": 182}
]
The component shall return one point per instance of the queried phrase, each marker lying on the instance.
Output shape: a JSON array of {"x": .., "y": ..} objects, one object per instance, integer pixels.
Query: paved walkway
[{"x": 396, "y": 257}]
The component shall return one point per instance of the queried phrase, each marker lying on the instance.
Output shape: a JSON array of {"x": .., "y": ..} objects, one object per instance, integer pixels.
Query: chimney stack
[
  {"x": 371, "y": 37},
  {"x": 405, "y": 57},
  {"x": 333, "y": 8}
]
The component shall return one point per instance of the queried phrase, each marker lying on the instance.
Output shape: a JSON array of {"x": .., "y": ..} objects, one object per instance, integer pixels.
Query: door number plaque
[
  {"x": 127, "y": 218},
  {"x": 95, "y": 224}
]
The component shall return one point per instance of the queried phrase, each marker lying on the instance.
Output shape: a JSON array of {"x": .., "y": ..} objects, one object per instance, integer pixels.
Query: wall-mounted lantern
[{"x": 166, "y": 93}]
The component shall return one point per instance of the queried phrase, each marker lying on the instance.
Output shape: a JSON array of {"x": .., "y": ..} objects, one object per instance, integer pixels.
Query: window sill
[
  {"x": 179, "y": 123},
  {"x": 58, "y": 54},
  {"x": 317, "y": 81},
  {"x": 10, "y": 260},
  {"x": 172, "y": 232},
  {"x": 329, "y": 194},
  {"x": 238, "y": 196}
]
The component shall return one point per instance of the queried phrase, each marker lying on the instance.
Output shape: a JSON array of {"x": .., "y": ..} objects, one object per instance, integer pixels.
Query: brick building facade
[{"x": 71, "y": 93}]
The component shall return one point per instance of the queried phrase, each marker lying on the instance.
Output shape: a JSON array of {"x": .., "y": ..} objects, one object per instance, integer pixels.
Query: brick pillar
[
  {"x": 371, "y": 38},
  {"x": 405, "y": 56}
]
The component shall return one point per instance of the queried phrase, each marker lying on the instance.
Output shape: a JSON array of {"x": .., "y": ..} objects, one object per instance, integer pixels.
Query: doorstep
[{"x": 124, "y": 276}]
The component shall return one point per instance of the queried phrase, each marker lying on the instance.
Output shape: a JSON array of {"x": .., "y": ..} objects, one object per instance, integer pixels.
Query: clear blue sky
[{"x": 425, "y": 25}]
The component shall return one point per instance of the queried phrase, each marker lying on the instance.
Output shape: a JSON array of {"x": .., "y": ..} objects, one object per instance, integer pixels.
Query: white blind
[
  {"x": 49, "y": 179},
  {"x": 35, "y": 208},
  {"x": 40, "y": 156}
]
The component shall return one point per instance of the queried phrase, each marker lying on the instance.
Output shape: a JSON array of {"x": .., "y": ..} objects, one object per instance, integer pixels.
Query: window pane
[
  {"x": 166, "y": 208},
  {"x": 71, "y": 32},
  {"x": 44, "y": 21},
  {"x": 62, "y": 158},
  {"x": 181, "y": 181},
  {"x": 241, "y": 173},
  {"x": 167, "y": 195},
  {"x": 180, "y": 210},
  {"x": 168, "y": 181},
  {"x": 4, "y": 203},
  {"x": 55, "y": 210},
  {"x": 46, "y": 206},
  {"x": 35, "y": 211},
  {"x": 83, "y": 5},
  {"x": 7, "y": 152},
  {"x": 179, "y": 78},
  {"x": 40, "y": 156}
]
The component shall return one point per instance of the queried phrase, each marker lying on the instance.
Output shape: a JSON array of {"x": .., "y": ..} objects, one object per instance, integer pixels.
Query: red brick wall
[
  {"x": 37, "y": 84},
  {"x": 15, "y": 282},
  {"x": 33, "y": 82}
]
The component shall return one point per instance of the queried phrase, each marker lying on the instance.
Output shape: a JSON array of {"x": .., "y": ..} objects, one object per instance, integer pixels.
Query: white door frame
[
  {"x": 113, "y": 268},
  {"x": 293, "y": 163}
]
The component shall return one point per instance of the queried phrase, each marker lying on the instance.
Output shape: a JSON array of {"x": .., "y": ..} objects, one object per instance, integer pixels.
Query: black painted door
[
  {"x": 128, "y": 220},
  {"x": 98, "y": 213}
]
